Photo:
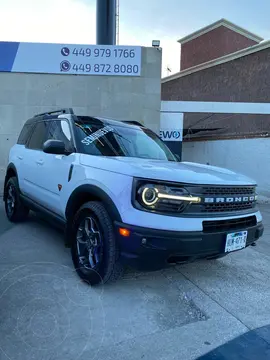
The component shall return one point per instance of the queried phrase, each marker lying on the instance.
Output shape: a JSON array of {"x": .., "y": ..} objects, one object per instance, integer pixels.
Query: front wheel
[
  {"x": 16, "y": 211},
  {"x": 94, "y": 249}
]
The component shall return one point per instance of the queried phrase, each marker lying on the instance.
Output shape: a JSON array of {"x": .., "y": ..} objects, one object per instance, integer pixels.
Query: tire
[
  {"x": 93, "y": 216},
  {"x": 16, "y": 211}
]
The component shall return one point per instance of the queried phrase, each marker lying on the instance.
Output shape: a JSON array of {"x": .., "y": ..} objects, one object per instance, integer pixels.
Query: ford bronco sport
[{"x": 123, "y": 197}]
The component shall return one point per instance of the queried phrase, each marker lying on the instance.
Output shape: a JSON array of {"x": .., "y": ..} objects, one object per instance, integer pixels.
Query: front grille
[
  {"x": 224, "y": 207},
  {"x": 216, "y": 193},
  {"x": 229, "y": 225},
  {"x": 228, "y": 190}
]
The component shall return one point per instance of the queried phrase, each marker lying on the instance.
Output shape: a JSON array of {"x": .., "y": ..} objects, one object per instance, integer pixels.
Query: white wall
[
  {"x": 250, "y": 157},
  {"x": 122, "y": 97}
]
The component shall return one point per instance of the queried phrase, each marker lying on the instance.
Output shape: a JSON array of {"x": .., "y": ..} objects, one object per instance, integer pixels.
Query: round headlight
[{"x": 149, "y": 196}]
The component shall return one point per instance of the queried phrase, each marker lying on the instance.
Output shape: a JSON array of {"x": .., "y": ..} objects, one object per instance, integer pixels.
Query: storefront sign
[
  {"x": 70, "y": 59},
  {"x": 171, "y": 127}
]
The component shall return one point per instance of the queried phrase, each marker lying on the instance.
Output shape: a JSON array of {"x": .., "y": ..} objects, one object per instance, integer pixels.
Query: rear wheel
[
  {"x": 16, "y": 211},
  {"x": 94, "y": 250}
]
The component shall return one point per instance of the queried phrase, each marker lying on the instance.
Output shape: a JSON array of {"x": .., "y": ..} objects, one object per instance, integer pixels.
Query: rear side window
[
  {"x": 39, "y": 136},
  {"x": 25, "y": 134}
]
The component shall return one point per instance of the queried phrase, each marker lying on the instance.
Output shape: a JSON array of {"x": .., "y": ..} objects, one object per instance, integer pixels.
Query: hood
[{"x": 185, "y": 172}]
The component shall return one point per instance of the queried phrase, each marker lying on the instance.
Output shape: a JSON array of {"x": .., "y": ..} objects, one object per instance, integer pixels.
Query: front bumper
[{"x": 150, "y": 249}]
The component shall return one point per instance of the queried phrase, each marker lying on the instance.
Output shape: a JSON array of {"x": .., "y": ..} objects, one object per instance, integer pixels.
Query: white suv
[{"x": 123, "y": 197}]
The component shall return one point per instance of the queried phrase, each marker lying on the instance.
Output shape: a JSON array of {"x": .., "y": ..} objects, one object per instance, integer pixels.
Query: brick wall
[
  {"x": 212, "y": 45},
  {"x": 245, "y": 79}
]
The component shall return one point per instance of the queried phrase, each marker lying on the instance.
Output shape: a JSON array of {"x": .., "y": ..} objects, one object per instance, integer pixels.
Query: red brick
[
  {"x": 246, "y": 79},
  {"x": 212, "y": 45}
]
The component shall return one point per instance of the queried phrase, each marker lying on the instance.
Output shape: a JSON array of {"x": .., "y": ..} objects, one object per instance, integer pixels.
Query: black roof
[
  {"x": 50, "y": 115},
  {"x": 60, "y": 111},
  {"x": 107, "y": 121}
]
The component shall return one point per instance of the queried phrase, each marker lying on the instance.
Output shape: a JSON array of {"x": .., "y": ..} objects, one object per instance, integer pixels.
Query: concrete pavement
[
  {"x": 180, "y": 313},
  {"x": 4, "y": 223}
]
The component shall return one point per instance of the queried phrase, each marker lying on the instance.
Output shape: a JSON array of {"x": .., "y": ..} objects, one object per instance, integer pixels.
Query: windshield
[{"x": 96, "y": 138}]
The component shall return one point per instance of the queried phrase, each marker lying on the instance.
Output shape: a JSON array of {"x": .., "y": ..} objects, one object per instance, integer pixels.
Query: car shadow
[{"x": 252, "y": 345}]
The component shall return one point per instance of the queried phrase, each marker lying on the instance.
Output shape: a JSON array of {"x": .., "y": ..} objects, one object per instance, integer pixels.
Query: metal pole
[
  {"x": 106, "y": 22},
  {"x": 117, "y": 21}
]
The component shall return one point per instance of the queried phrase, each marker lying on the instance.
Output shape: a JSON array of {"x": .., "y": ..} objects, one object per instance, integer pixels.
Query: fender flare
[
  {"x": 12, "y": 167},
  {"x": 96, "y": 192}
]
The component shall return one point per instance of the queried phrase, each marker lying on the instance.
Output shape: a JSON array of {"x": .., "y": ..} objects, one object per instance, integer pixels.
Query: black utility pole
[{"x": 106, "y": 22}]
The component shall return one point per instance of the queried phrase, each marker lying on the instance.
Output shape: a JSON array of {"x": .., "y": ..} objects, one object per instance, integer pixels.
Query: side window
[
  {"x": 25, "y": 134},
  {"x": 59, "y": 130},
  {"x": 38, "y": 136}
]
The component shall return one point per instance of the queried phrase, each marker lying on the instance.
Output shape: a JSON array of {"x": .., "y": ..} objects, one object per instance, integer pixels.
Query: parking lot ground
[{"x": 184, "y": 312}]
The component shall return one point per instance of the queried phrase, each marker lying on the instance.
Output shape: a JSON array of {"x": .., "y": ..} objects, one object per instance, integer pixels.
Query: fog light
[{"x": 124, "y": 232}]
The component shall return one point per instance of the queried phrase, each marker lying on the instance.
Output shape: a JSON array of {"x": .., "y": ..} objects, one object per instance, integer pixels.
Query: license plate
[{"x": 236, "y": 241}]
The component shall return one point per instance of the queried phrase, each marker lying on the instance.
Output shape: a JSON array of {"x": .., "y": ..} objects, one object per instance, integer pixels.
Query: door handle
[
  {"x": 40, "y": 162},
  {"x": 19, "y": 157}
]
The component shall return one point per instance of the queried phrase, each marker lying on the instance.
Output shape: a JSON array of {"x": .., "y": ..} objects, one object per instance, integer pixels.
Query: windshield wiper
[{"x": 121, "y": 136}]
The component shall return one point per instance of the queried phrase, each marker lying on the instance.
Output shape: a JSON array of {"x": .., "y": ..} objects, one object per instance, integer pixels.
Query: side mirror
[{"x": 56, "y": 147}]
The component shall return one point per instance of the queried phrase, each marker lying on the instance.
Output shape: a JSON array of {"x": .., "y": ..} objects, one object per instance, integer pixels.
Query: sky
[{"x": 141, "y": 21}]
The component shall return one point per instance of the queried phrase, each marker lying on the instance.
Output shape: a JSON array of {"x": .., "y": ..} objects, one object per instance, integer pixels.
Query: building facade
[
  {"x": 214, "y": 41},
  {"x": 239, "y": 142}
]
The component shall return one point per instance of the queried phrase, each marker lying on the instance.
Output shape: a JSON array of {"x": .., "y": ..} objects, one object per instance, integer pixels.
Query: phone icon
[
  {"x": 65, "y": 51},
  {"x": 65, "y": 66}
]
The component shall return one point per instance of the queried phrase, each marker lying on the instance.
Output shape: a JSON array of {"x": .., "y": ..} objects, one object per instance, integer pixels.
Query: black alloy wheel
[
  {"x": 16, "y": 211},
  {"x": 89, "y": 243},
  {"x": 94, "y": 248}
]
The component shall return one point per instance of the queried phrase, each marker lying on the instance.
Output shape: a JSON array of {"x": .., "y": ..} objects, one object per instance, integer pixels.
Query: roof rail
[
  {"x": 133, "y": 122},
  {"x": 60, "y": 111}
]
